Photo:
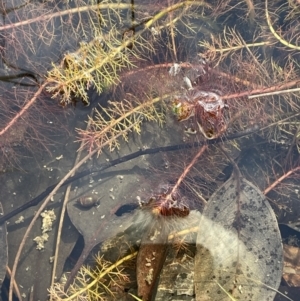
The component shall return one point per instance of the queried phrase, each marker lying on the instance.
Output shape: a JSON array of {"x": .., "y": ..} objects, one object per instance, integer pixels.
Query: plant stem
[
  {"x": 23, "y": 110},
  {"x": 278, "y": 181},
  {"x": 270, "y": 90}
]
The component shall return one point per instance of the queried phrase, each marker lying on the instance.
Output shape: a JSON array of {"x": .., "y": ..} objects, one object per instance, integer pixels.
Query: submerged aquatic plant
[
  {"x": 242, "y": 74},
  {"x": 94, "y": 283},
  {"x": 120, "y": 117}
]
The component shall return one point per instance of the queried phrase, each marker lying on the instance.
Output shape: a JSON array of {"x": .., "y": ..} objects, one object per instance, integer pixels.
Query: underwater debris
[
  {"x": 40, "y": 240},
  {"x": 48, "y": 218},
  {"x": 208, "y": 109},
  {"x": 20, "y": 220}
]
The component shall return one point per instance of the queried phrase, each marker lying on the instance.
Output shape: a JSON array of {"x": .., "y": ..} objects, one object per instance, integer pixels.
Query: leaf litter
[{"x": 239, "y": 250}]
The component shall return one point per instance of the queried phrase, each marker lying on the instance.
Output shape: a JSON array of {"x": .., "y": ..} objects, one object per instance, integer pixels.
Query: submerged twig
[
  {"x": 62, "y": 216},
  {"x": 279, "y": 180}
]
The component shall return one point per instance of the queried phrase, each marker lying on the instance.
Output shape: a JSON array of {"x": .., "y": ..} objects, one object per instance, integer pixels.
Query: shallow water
[{"x": 40, "y": 148}]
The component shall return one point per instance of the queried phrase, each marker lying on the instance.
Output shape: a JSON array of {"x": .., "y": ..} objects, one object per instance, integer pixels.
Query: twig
[
  {"x": 188, "y": 168},
  {"x": 278, "y": 181},
  {"x": 62, "y": 216},
  {"x": 60, "y": 14},
  {"x": 183, "y": 232},
  {"x": 274, "y": 93},
  {"x": 47, "y": 200},
  {"x": 272, "y": 90},
  {"x": 16, "y": 288},
  {"x": 24, "y": 109},
  {"x": 172, "y": 35},
  {"x": 251, "y": 10}
]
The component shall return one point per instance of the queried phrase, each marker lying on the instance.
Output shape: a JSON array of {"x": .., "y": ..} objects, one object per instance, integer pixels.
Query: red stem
[
  {"x": 278, "y": 181},
  {"x": 23, "y": 110}
]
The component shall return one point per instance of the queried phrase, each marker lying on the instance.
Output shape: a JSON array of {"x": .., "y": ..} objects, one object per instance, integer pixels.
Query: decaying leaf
[
  {"x": 291, "y": 270},
  {"x": 239, "y": 250},
  {"x": 176, "y": 280},
  {"x": 158, "y": 276},
  {"x": 151, "y": 257}
]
